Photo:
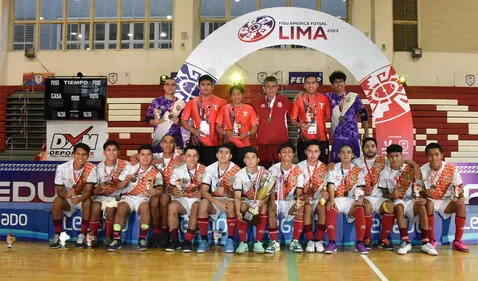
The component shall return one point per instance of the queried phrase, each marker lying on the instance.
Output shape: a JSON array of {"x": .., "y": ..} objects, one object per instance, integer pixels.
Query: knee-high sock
[
  {"x": 404, "y": 234},
  {"x": 321, "y": 232},
  {"x": 143, "y": 231},
  {"x": 459, "y": 227},
  {"x": 331, "y": 222},
  {"x": 58, "y": 226},
  {"x": 84, "y": 226},
  {"x": 109, "y": 229},
  {"x": 231, "y": 227},
  {"x": 190, "y": 234},
  {"x": 387, "y": 224},
  {"x": 368, "y": 227},
  {"x": 431, "y": 227},
  {"x": 273, "y": 233},
  {"x": 425, "y": 236},
  {"x": 94, "y": 225},
  {"x": 308, "y": 232},
  {"x": 261, "y": 227},
  {"x": 203, "y": 224},
  {"x": 298, "y": 225},
  {"x": 242, "y": 230},
  {"x": 359, "y": 215},
  {"x": 174, "y": 234}
]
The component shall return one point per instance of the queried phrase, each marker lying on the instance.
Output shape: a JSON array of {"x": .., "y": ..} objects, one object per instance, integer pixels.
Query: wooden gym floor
[{"x": 35, "y": 260}]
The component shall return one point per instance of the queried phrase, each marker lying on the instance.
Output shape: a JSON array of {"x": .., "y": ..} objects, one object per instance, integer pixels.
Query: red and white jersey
[
  {"x": 287, "y": 181},
  {"x": 143, "y": 181},
  {"x": 167, "y": 165},
  {"x": 189, "y": 180},
  {"x": 70, "y": 178},
  {"x": 221, "y": 182},
  {"x": 402, "y": 179},
  {"x": 371, "y": 168},
  {"x": 110, "y": 175},
  {"x": 247, "y": 183},
  {"x": 345, "y": 180},
  {"x": 443, "y": 180},
  {"x": 313, "y": 178}
]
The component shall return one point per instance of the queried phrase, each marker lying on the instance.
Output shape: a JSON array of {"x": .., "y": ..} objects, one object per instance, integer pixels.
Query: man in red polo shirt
[
  {"x": 237, "y": 121},
  {"x": 203, "y": 111},
  {"x": 272, "y": 110},
  {"x": 310, "y": 112}
]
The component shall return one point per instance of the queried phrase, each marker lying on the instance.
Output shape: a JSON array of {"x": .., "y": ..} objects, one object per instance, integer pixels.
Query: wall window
[
  {"x": 74, "y": 25},
  {"x": 405, "y": 25}
]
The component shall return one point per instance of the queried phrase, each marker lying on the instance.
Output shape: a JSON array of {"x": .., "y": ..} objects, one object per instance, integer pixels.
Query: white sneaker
[
  {"x": 310, "y": 247},
  {"x": 319, "y": 246},
  {"x": 405, "y": 248},
  {"x": 429, "y": 249},
  {"x": 277, "y": 246}
]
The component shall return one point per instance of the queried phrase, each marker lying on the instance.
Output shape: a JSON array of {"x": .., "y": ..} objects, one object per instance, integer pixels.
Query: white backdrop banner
[{"x": 63, "y": 135}]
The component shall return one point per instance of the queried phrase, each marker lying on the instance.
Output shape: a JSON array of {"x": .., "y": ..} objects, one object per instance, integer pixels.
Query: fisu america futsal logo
[{"x": 256, "y": 29}]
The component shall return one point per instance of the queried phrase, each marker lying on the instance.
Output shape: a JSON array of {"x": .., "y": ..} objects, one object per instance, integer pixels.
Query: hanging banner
[
  {"x": 319, "y": 31},
  {"x": 61, "y": 137}
]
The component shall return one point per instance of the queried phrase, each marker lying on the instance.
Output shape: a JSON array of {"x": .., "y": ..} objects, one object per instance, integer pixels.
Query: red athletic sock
[
  {"x": 387, "y": 224},
  {"x": 274, "y": 234},
  {"x": 404, "y": 234},
  {"x": 190, "y": 234},
  {"x": 368, "y": 227},
  {"x": 431, "y": 227},
  {"x": 425, "y": 237},
  {"x": 163, "y": 229},
  {"x": 94, "y": 225},
  {"x": 298, "y": 225},
  {"x": 331, "y": 222},
  {"x": 459, "y": 227},
  {"x": 143, "y": 232},
  {"x": 242, "y": 230},
  {"x": 174, "y": 234},
  {"x": 84, "y": 226},
  {"x": 58, "y": 226},
  {"x": 308, "y": 232},
  {"x": 261, "y": 227},
  {"x": 203, "y": 224},
  {"x": 117, "y": 235},
  {"x": 321, "y": 232},
  {"x": 156, "y": 229},
  {"x": 109, "y": 229},
  {"x": 231, "y": 227},
  {"x": 359, "y": 215}
]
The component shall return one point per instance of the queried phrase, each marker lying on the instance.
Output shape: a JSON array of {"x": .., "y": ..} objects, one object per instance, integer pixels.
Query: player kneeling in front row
[
  {"x": 399, "y": 182},
  {"x": 444, "y": 192},
  {"x": 252, "y": 186},
  {"x": 106, "y": 191},
  {"x": 184, "y": 185},
  {"x": 140, "y": 182},
  {"x": 345, "y": 186},
  {"x": 218, "y": 197},
  {"x": 283, "y": 203},
  {"x": 74, "y": 181}
]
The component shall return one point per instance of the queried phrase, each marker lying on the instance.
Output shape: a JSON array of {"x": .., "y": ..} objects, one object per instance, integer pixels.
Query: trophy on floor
[
  {"x": 10, "y": 241},
  {"x": 63, "y": 238},
  {"x": 266, "y": 184}
]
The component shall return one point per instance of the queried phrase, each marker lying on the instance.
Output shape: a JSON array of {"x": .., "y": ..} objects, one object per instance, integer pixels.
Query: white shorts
[
  {"x": 376, "y": 202},
  {"x": 439, "y": 206},
  {"x": 73, "y": 208},
  {"x": 343, "y": 206},
  {"x": 134, "y": 201},
  {"x": 101, "y": 198},
  {"x": 286, "y": 206},
  {"x": 408, "y": 208},
  {"x": 218, "y": 211},
  {"x": 187, "y": 203}
]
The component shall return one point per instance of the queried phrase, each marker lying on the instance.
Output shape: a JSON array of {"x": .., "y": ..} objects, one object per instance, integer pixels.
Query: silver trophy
[
  {"x": 217, "y": 235},
  {"x": 358, "y": 192},
  {"x": 63, "y": 238},
  {"x": 417, "y": 188}
]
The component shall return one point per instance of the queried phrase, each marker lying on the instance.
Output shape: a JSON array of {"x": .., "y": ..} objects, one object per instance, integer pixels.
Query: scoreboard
[{"x": 72, "y": 98}]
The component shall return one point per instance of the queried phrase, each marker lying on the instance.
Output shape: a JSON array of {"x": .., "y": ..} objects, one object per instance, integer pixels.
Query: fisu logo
[{"x": 256, "y": 29}]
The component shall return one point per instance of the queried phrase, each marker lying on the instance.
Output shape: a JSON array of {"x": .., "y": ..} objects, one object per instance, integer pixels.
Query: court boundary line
[
  {"x": 292, "y": 266},
  {"x": 222, "y": 267},
  {"x": 374, "y": 268}
]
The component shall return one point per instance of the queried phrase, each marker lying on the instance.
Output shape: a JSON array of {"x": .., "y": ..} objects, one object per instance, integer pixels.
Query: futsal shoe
[
  {"x": 310, "y": 247},
  {"x": 360, "y": 247},
  {"x": 114, "y": 245},
  {"x": 429, "y": 249},
  {"x": 458, "y": 245},
  {"x": 203, "y": 246},
  {"x": 142, "y": 244},
  {"x": 385, "y": 244},
  {"x": 187, "y": 246},
  {"x": 55, "y": 242},
  {"x": 319, "y": 246},
  {"x": 277, "y": 246},
  {"x": 367, "y": 243},
  {"x": 173, "y": 246},
  {"x": 107, "y": 241},
  {"x": 80, "y": 241},
  {"x": 271, "y": 247},
  {"x": 331, "y": 248},
  {"x": 229, "y": 247},
  {"x": 163, "y": 240},
  {"x": 405, "y": 248},
  {"x": 242, "y": 248},
  {"x": 295, "y": 246},
  {"x": 259, "y": 248}
]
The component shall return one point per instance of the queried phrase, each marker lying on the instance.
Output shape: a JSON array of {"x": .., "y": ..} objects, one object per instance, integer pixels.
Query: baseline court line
[
  {"x": 222, "y": 267},
  {"x": 374, "y": 268}
]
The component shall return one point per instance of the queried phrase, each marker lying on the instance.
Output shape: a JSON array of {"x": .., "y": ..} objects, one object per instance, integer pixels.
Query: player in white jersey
[
  {"x": 399, "y": 182},
  {"x": 313, "y": 184},
  {"x": 218, "y": 195},
  {"x": 106, "y": 192},
  {"x": 283, "y": 198},
  {"x": 372, "y": 164},
  {"x": 165, "y": 161},
  {"x": 74, "y": 181},
  {"x": 250, "y": 205},
  {"x": 185, "y": 185},
  {"x": 140, "y": 182},
  {"x": 345, "y": 184},
  {"x": 444, "y": 192}
]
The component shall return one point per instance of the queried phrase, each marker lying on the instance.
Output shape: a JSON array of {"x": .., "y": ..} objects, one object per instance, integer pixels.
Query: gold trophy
[
  {"x": 324, "y": 196},
  {"x": 266, "y": 184},
  {"x": 299, "y": 203},
  {"x": 10, "y": 241}
]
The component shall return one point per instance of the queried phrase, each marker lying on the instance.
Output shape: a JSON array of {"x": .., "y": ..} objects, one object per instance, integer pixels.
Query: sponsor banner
[
  {"x": 299, "y": 77},
  {"x": 35, "y": 79},
  {"x": 469, "y": 175},
  {"x": 62, "y": 136},
  {"x": 316, "y": 30}
]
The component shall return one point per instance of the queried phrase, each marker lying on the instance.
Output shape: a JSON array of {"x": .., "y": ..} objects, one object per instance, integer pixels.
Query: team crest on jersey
[{"x": 279, "y": 104}]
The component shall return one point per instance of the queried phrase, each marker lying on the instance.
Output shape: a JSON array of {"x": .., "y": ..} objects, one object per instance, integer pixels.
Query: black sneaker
[
  {"x": 107, "y": 241},
  {"x": 154, "y": 242},
  {"x": 142, "y": 245},
  {"x": 55, "y": 242},
  {"x": 173, "y": 246},
  {"x": 187, "y": 246},
  {"x": 367, "y": 243},
  {"x": 114, "y": 245},
  {"x": 385, "y": 244},
  {"x": 163, "y": 240}
]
